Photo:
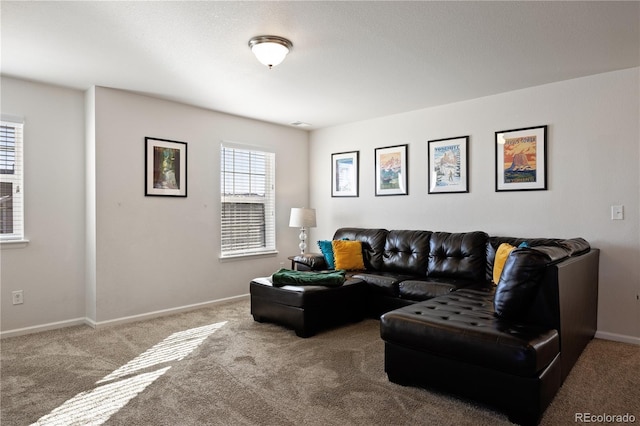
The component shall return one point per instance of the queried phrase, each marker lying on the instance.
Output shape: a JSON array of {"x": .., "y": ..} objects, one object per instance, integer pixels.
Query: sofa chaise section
[{"x": 459, "y": 343}]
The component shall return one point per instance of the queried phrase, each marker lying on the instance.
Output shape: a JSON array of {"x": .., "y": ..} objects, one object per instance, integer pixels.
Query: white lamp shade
[
  {"x": 302, "y": 218},
  {"x": 270, "y": 54}
]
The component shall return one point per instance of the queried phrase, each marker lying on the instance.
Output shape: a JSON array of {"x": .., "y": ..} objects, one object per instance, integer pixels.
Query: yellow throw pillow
[
  {"x": 348, "y": 255},
  {"x": 501, "y": 257}
]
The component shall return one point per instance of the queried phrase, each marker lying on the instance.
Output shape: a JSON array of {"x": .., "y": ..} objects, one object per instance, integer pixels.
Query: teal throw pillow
[{"x": 327, "y": 251}]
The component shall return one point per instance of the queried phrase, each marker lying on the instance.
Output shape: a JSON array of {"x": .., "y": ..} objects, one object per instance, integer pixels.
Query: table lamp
[{"x": 302, "y": 218}]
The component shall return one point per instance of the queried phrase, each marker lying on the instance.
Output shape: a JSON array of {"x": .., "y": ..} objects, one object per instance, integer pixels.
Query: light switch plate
[{"x": 617, "y": 212}]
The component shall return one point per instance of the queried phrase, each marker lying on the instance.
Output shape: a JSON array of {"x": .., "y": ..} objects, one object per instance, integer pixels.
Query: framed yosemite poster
[
  {"x": 447, "y": 165},
  {"x": 521, "y": 159}
]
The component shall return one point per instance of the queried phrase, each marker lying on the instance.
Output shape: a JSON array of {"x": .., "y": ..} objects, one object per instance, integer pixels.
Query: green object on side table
[{"x": 327, "y": 278}]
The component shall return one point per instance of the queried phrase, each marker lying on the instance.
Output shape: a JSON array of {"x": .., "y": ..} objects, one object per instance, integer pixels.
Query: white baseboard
[
  {"x": 43, "y": 327},
  {"x": 123, "y": 320},
  {"x": 164, "y": 312},
  {"x": 617, "y": 337},
  {"x": 155, "y": 314}
]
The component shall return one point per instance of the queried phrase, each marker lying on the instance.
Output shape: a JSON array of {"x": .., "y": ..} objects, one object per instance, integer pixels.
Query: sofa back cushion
[
  {"x": 556, "y": 249},
  {"x": 519, "y": 281},
  {"x": 407, "y": 252},
  {"x": 458, "y": 255},
  {"x": 372, "y": 240}
]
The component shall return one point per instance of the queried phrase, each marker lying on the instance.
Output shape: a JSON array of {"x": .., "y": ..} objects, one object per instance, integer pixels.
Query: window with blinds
[
  {"x": 247, "y": 192},
  {"x": 11, "y": 187}
]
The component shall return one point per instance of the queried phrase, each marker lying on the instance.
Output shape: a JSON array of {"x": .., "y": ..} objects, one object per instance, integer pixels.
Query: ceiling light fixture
[{"x": 270, "y": 50}]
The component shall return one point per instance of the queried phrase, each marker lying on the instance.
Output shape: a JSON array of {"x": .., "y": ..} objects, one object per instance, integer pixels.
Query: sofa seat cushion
[
  {"x": 428, "y": 288},
  {"x": 381, "y": 282},
  {"x": 462, "y": 326}
]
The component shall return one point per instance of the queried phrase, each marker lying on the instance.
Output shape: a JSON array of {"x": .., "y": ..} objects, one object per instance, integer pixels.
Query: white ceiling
[{"x": 350, "y": 61}]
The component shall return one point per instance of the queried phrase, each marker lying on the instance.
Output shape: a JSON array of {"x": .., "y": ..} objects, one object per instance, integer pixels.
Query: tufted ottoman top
[
  {"x": 304, "y": 295},
  {"x": 463, "y": 326}
]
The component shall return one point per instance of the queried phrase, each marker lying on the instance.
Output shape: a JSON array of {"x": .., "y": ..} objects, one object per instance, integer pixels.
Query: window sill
[
  {"x": 240, "y": 256},
  {"x": 12, "y": 244}
]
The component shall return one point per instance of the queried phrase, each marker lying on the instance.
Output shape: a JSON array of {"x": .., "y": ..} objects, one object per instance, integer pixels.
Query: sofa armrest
[
  {"x": 578, "y": 299},
  {"x": 576, "y": 246},
  {"x": 567, "y": 300},
  {"x": 313, "y": 261}
]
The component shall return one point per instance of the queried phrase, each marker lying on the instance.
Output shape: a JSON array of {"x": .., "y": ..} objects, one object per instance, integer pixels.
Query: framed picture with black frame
[
  {"x": 521, "y": 159},
  {"x": 448, "y": 165},
  {"x": 392, "y": 170},
  {"x": 165, "y": 168},
  {"x": 344, "y": 174}
]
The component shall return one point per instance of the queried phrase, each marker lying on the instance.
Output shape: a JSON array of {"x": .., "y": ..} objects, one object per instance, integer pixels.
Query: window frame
[
  {"x": 16, "y": 179},
  {"x": 268, "y": 200}
]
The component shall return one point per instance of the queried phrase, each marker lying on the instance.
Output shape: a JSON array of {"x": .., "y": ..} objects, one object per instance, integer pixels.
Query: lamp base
[{"x": 303, "y": 240}]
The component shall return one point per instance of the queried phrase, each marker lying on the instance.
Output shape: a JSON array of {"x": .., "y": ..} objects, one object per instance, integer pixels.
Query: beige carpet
[{"x": 216, "y": 366}]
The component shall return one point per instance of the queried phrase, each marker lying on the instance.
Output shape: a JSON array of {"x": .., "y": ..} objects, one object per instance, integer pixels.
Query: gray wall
[
  {"x": 157, "y": 253},
  {"x": 593, "y": 159},
  {"x": 99, "y": 250},
  {"x": 50, "y": 269}
]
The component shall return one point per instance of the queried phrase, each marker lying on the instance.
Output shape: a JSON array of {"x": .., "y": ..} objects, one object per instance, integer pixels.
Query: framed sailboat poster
[{"x": 521, "y": 159}]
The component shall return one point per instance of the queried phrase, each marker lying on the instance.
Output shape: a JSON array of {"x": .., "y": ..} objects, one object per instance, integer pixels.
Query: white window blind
[
  {"x": 247, "y": 191},
  {"x": 11, "y": 182}
]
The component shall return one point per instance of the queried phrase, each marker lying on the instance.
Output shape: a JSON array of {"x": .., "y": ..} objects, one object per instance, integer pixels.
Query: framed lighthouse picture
[{"x": 521, "y": 159}]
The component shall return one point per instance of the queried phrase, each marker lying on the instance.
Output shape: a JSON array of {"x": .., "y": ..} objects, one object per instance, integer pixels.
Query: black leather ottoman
[
  {"x": 456, "y": 343},
  {"x": 310, "y": 308}
]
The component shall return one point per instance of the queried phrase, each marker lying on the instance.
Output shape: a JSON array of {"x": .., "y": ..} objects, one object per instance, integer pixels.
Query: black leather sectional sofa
[{"x": 445, "y": 325}]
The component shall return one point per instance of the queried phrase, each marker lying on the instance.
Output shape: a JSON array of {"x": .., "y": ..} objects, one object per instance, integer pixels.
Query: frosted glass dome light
[{"x": 270, "y": 50}]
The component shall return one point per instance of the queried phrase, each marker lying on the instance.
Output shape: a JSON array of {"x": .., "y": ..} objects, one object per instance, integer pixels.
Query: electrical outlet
[{"x": 17, "y": 297}]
